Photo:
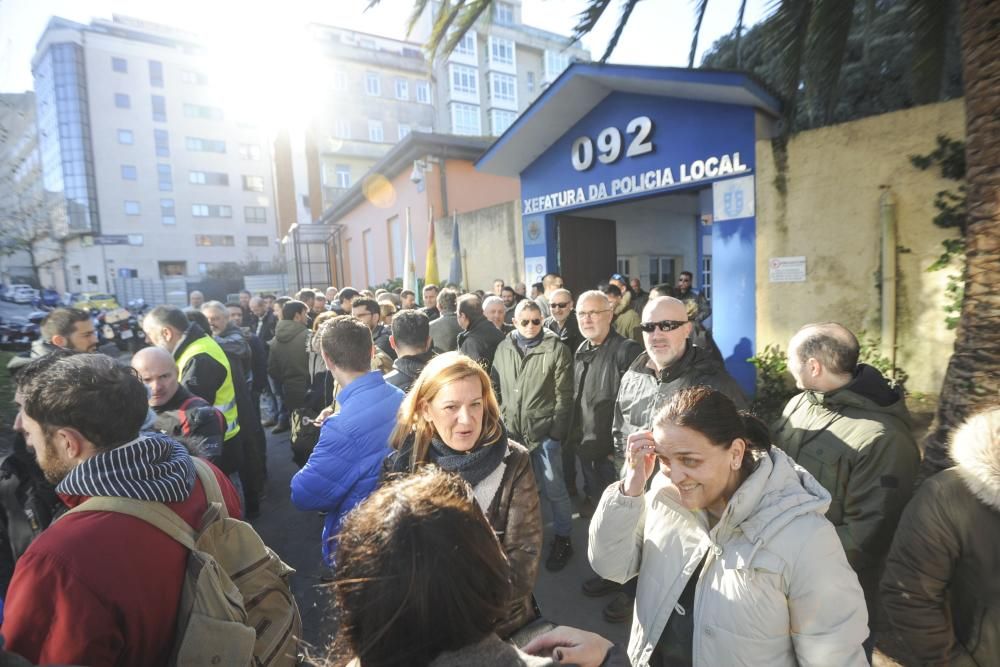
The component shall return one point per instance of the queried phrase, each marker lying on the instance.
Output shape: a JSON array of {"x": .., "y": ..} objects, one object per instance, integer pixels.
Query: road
[{"x": 296, "y": 537}]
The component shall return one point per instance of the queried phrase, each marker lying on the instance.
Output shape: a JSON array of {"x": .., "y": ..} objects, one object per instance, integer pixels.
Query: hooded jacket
[
  {"x": 775, "y": 588},
  {"x": 626, "y": 321},
  {"x": 288, "y": 361},
  {"x": 856, "y": 441},
  {"x": 941, "y": 589},
  {"x": 101, "y": 588},
  {"x": 645, "y": 390},
  {"x": 535, "y": 389},
  {"x": 480, "y": 342},
  {"x": 406, "y": 370}
]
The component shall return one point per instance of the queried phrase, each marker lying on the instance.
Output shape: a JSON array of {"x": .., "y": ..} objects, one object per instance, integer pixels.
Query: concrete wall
[
  {"x": 491, "y": 239},
  {"x": 830, "y": 215}
]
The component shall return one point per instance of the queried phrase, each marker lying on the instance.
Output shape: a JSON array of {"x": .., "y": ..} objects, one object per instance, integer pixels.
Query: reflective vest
[{"x": 225, "y": 396}]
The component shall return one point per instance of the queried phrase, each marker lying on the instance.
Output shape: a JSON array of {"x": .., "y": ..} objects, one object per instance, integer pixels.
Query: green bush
[{"x": 774, "y": 383}]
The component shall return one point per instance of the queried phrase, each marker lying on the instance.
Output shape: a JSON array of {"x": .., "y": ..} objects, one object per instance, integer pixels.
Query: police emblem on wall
[
  {"x": 534, "y": 230},
  {"x": 733, "y": 198}
]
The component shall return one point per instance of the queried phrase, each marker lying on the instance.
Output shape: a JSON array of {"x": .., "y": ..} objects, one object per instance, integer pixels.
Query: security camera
[{"x": 417, "y": 175}]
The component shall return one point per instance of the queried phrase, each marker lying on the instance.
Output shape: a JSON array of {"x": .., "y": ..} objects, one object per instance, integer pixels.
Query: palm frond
[
  {"x": 588, "y": 18},
  {"x": 627, "y": 8},
  {"x": 462, "y": 20},
  {"x": 786, "y": 42},
  {"x": 929, "y": 19},
  {"x": 826, "y": 46},
  {"x": 700, "y": 7},
  {"x": 739, "y": 33}
]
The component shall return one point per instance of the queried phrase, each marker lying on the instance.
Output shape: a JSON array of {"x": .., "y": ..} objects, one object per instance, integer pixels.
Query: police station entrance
[{"x": 647, "y": 172}]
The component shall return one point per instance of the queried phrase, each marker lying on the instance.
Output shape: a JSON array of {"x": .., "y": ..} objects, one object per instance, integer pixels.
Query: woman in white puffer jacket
[{"x": 737, "y": 564}]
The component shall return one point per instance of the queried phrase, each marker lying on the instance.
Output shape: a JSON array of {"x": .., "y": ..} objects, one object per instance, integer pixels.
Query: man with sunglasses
[
  {"x": 670, "y": 363},
  {"x": 533, "y": 376},
  {"x": 562, "y": 322}
]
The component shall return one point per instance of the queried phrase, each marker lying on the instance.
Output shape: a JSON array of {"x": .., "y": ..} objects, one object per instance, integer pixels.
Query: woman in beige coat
[{"x": 737, "y": 564}]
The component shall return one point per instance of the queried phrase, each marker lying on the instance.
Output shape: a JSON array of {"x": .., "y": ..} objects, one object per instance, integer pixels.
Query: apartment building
[{"x": 152, "y": 175}]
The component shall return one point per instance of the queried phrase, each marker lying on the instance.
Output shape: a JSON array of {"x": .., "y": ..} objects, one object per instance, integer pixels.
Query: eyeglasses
[
  {"x": 590, "y": 314},
  {"x": 535, "y": 322},
  {"x": 559, "y": 305},
  {"x": 664, "y": 325}
]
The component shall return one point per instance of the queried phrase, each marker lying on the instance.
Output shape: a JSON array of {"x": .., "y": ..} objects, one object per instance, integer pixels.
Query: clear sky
[{"x": 659, "y": 31}]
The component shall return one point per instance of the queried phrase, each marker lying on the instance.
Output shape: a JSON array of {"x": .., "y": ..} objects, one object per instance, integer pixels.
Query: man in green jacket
[
  {"x": 533, "y": 374},
  {"x": 851, "y": 430},
  {"x": 288, "y": 361}
]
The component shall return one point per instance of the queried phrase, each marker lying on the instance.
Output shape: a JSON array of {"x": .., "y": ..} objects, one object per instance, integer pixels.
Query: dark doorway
[{"x": 588, "y": 252}]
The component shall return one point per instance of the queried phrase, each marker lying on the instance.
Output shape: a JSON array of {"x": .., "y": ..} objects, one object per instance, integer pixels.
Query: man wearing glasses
[
  {"x": 670, "y": 363},
  {"x": 533, "y": 375},
  {"x": 562, "y": 322}
]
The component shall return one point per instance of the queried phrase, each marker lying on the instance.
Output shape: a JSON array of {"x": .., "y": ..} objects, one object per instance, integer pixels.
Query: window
[
  {"x": 255, "y": 214},
  {"x": 253, "y": 183},
  {"x": 467, "y": 45},
  {"x": 501, "y": 120},
  {"x": 249, "y": 152},
  {"x": 167, "y": 215},
  {"x": 555, "y": 63},
  {"x": 122, "y": 101},
  {"x": 214, "y": 239},
  {"x": 465, "y": 119},
  {"x": 165, "y": 177},
  {"x": 403, "y": 130},
  {"x": 208, "y": 178},
  {"x": 162, "y": 140},
  {"x": 395, "y": 234},
  {"x": 159, "y": 108},
  {"x": 257, "y": 241},
  {"x": 202, "y": 112},
  {"x": 119, "y": 65},
  {"x": 375, "y": 131},
  {"x": 125, "y": 137},
  {"x": 373, "y": 85},
  {"x": 366, "y": 242},
  {"x": 402, "y": 89},
  {"x": 503, "y": 12},
  {"x": 503, "y": 87},
  {"x": 464, "y": 79},
  {"x": 662, "y": 270},
  {"x": 205, "y": 145},
  {"x": 131, "y": 207},
  {"x": 128, "y": 172},
  {"x": 211, "y": 211},
  {"x": 501, "y": 51},
  {"x": 172, "y": 269},
  {"x": 156, "y": 73},
  {"x": 343, "y": 175},
  {"x": 340, "y": 81},
  {"x": 624, "y": 266},
  {"x": 530, "y": 78},
  {"x": 193, "y": 77},
  {"x": 342, "y": 128},
  {"x": 706, "y": 276},
  {"x": 424, "y": 92}
]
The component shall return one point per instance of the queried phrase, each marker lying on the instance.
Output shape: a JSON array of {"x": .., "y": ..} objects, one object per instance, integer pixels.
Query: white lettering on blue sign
[{"x": 712, "y": 167}]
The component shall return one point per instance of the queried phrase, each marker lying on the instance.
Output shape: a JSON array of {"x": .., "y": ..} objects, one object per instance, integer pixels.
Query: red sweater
[{"x": 100, "y": 588}]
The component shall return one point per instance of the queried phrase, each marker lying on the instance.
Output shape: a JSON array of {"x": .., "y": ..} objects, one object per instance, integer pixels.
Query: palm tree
[{"x": 809, "y": 44}]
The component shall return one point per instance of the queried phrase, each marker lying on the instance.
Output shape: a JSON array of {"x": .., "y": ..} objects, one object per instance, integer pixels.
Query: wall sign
[
  {"x": 733, "y": 199},
  {"x": 534, "y": 270},
  {"x": 609, "y": 144},
  {"x": 787, "y": 269}
]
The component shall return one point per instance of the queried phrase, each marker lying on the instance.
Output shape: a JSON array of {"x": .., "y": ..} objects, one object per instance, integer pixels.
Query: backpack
[{"x": 236, "y": 607}]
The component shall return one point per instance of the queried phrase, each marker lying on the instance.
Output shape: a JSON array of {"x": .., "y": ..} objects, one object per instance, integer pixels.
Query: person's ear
[
  {"x": 737, "y": 451},
  {"x": 815, "y": 368},
  {"x": 71, "y": 443},
  {"x": 59, "y": 340},
  {"x": 392, "y": 342}
]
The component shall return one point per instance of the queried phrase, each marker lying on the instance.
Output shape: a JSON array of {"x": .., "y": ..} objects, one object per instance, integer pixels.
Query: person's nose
[
  {"x": 677, "y": 475},
  {"x": 18, "y": 423},
  {"x": 465, "y": 416}
]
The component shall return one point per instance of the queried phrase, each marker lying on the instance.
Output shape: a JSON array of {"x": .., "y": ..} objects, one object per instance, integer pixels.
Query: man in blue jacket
[{"x": 344, "y": 467}]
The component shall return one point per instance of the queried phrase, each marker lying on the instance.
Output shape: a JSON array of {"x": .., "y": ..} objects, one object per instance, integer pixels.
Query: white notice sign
[
  {"x": 534, "y": 270},
  {"x": 787, "y": 269},
  {"x": 733, "y": 199}
]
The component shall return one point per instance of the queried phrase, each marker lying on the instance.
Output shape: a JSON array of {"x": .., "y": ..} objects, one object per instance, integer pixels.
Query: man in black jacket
[
  {"x": 479, "y": 337},
  {"x": 430, "y": 302},
  {"x": 369, "y": 313},
  {"x": 412, "y": 341},
  {"x": 562, "y": 321}
]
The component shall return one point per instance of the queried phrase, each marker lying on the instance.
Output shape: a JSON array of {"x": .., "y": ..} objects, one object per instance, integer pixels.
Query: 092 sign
[{"x": 610, "y": 142}]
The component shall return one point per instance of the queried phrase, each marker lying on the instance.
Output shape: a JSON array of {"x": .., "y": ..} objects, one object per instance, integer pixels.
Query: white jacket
[{"x": 775, "y": 588}]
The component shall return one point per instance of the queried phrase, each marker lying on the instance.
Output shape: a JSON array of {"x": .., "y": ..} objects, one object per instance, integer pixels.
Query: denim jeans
[
  {"x": 598, "y": 474},
  {"x": 281, "y": 414},
  {"x": 546, "y": 459}
]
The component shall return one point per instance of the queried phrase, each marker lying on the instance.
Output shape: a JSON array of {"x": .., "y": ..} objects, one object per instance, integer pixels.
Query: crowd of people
[{"x": 434, "y": 437}]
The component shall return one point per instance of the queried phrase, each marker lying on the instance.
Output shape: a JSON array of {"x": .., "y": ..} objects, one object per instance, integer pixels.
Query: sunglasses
[
  {"x": 664, "y": 325},
  {"x": 535, "y": 321},
  {"x": 559, "y": 305}
]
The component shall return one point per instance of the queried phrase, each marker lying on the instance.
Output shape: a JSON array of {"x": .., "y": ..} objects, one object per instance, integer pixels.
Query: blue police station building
[{"x": 645, "y": 171}]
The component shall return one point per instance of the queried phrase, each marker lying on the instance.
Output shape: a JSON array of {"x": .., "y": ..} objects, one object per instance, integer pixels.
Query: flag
[
  {"x": 410, "y": 264},
  {"x": 431, "y": 267},
  {"x": 455, "y": 274}
]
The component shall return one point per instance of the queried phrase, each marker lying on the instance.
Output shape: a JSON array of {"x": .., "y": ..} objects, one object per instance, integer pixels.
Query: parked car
[
  {"x": 24, "y": 294},
  {"x": 47, "y": 298},
  {"x": 19, "y": 332},
  {"x": 95, "y": 301}
]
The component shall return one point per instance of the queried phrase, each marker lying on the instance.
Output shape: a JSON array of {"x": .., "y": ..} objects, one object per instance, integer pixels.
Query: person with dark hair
[
  {"x": 533, "y": 376},
  {"x": 639, "y": 296},
  {"x": 427, "y": 530},
  {"x": 344, "y": 467},
  {"x": 345, "y": 297},
  {"x": 369, "y": 313},
  {"x": 624, "y": 319},
  {"x": 851, "y": 430},
  {"x": 411, "y": 339},
  {"x": 408, "y": 299},
  {"x": 663, "y": 289},
  {"x": 479, "y": 337},
  {"x": 537, "y": 290},
  {"x": 288, "y": 364},
  {"x": 430, "y": 308},
  {"x": 451, "y": 419},
  {"x": 62, "y": 329},
  {"x": 445, "y": 329},
  {"x": 733, "y": 522},
  {"x": 550, "y": 283},
  {"x": 205, "y": 370},
  {"x": 510, "y": 300},
  {"x": 498, "y": 286},
  {"x": 306, "y": 296},
  {"x": 244, "y": 305},
  {"x": 98, "y": 587},
  {"x": 697, "y": 305},
  {"x": 940, "y": 587}
]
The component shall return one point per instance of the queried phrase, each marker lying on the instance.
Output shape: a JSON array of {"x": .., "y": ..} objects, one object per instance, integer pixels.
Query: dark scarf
[
  {"x": 526, "y": 344},
  {"x": 152, "y": 467},
  {"x": 473, "y": 466}
]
